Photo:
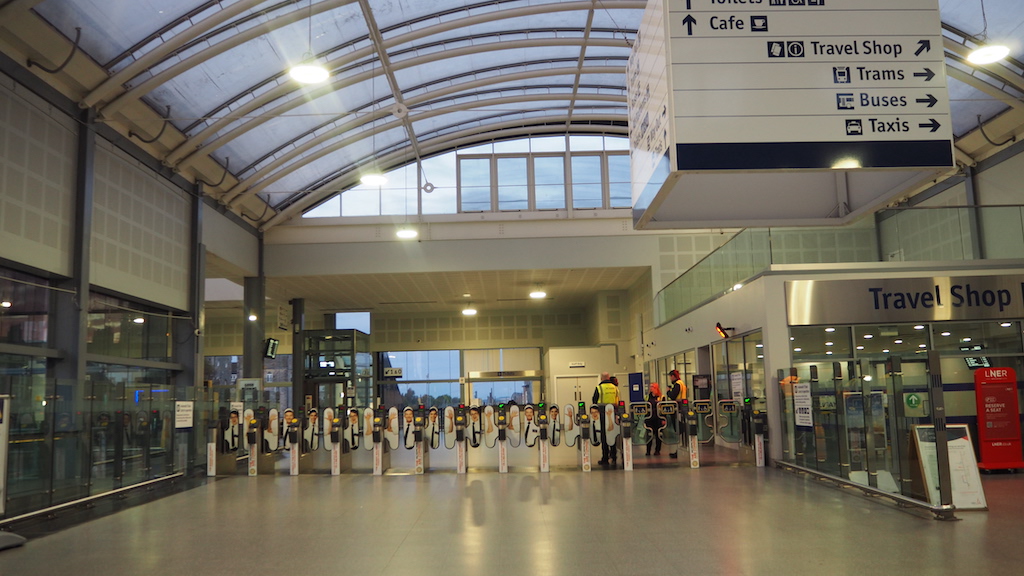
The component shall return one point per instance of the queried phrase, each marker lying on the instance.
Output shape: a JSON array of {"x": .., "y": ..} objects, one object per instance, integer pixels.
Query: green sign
[{"x": 913, "y": 401}]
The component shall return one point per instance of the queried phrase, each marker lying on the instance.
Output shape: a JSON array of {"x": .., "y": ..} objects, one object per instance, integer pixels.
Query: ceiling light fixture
[
  {"x": 986, "y": 52},
  {"x": 6, "y": 304},
  {"x": 469, "y": 311},
  {"x": 372, "y": 176},
  {"x": 309, "y": 71},
  {"x": 139, "y": 320},
  {"x": 407, "y": 233},
  {"x": 537, "y": 293},
  {"x": 253, "y": 317}
]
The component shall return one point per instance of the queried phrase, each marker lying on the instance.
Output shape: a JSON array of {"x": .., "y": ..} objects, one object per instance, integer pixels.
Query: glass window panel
[
  {"x": 475, "y": 174},
  {"x": 122, "y": 328},
  {"x": 25, "y": 311},
  {"x": 502, "y": 392},
  {"x": 440, "y": 201},
  {"x": 616, "y": 143},
  {"x": 586, "y": 143},
  {"x": 361, "y": 201},
  {"x": 512, "y": 191},
  {"x": 424, "y": 365},
  {"x": 549, "y": 182},
  {"x": 507, "y": 146},
  {"x": 548, "y": 144},
  {"x": 329, "y": 209},
  {"x": 619, "y": 188},
  {"x": 586, "y": 182}
]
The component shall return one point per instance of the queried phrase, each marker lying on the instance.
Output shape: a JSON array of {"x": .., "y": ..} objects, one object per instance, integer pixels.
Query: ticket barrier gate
[
  {"x": 759, "y": 423},
  {"x": 419, "y": 418},
  {"x": 583, "y": 421},
  {"x": 221, "y": 434},
  {"x": 259, "y": 460},
  {"x": 626, "y": 432},
  {"x": 670, "y": 436},
  {"x": 502, "y": 440},
  {"x": 640, "y": 433},
  {"x": 543, "y": 440},
  {"x": 693, "y": 441},
  {"x": 381, "y": 455},
  {"x": 703, "y": 409},
  {"x": 460, "y": 439}
]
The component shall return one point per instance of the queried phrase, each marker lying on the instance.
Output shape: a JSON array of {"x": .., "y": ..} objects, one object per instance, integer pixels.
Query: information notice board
[
  {"x": 999, "y": 438},
  {"x": 963, "y": 467}
]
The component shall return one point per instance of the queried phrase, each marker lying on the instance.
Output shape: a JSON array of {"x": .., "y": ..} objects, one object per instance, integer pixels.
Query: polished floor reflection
[{"x": 717, "y": 520}]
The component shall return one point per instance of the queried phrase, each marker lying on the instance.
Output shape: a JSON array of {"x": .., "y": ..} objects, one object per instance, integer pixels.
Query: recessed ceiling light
[
  {"x": 897, "y": 341},
  {"x": 737, "y": 286},
  {"x": 919, "y": 327},
  {"x": 407, "y": 233},
  {"x": 945, "y": 333},
  {"x": 469, "y": 311},
  {"x": 869, "y": 336},
  {"x": 830, "y": 329},
  {"x": 538, "y": 294},
  {"x": 1004, "y": 324},
  {"x": 967, "y": 339},
  {"x": 6, "y": 304},
  {"x": 759, "y": 346},
  {"x": 829, "y": 353},
  {"x": 798, "y": 349},
  {"x": 860, "y": 347},
  {"x": 885, "y": 350},
  {"x": 139, "y": 320},
  {"x": 253, "y": 317},
  {"x": 922, "y": 345},
  {"x": 791, "y": 338},
  {"x": 828, "y": 343},
  {"x": 760, "y": 355}
]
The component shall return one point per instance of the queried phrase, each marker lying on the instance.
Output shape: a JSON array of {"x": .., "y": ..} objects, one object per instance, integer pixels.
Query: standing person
[
  {"x": 654, "y": 420},
  {"x": 606, "y": 393},
  {"x": 677, "y": 393}
]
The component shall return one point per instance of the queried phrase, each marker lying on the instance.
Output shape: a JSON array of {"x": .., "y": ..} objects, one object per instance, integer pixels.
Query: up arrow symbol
[{"x": 689, "y": 21}]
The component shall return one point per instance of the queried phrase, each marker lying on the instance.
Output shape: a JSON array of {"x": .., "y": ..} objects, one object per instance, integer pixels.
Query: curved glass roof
[{"x": 409, "y": 79}]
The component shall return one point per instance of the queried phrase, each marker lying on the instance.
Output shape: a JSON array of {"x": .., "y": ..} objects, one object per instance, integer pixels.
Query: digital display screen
[{"x": 974, "y": 362}]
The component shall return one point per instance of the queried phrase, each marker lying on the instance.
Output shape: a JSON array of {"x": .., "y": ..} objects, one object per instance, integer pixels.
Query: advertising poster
[{"x": 999, "y": 437}]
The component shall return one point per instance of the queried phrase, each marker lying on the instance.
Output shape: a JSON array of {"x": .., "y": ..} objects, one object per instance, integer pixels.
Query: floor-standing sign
[
  {"x": 585, "y": 424},
  {"x": 692, "y": 439},
  {"x": 999, "y": 438}
]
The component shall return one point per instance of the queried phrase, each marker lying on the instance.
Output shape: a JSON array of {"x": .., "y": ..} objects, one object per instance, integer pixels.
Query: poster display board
[
  {"x": 802, "y": 405},
  {"x": 999, "y": 438},
  {"x": 968, "y": 493}
]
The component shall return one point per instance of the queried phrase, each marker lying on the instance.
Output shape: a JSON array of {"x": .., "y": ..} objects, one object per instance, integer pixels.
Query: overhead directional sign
[
  {"x": 808, "y": 84},
  {"x": 831, "y": 107}
]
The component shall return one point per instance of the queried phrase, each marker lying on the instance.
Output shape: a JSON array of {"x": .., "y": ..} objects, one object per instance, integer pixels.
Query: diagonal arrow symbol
[
  {"x": 930, "y": 101},
  {"x": 924, "y": 46},
  {"x": 689, "y": 21},
  {"x": 933, "y": 124},
  {"x": 927, "y": 74}
]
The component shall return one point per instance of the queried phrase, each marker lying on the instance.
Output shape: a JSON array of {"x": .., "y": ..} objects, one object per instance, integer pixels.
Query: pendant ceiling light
[
  {"x": 987, "y": 52},
  {"x": 372, "y": 175},
  {"x": 309, "y": 71}
]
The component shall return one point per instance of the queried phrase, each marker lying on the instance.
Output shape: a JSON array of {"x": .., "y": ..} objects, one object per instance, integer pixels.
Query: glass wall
[
  {"x": 867, "y": 389},
  {"x": 24, "y": 309},
  {"x": 528, "y": 174}
]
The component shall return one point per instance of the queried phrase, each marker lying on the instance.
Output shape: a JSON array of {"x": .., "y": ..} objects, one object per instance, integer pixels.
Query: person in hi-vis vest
[
  {"x": 677, "y": 393},
  {"x": 606, "y": 393}
]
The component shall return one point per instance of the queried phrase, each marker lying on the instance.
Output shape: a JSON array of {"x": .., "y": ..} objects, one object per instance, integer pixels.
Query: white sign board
[
  {"x": 648, "y": 104},
  {"x": 736, "y": 383},
  {"x": 968, "y": 493},
  {"x": 799, "y": 84},
  {"x": 802, "y": 405},
  {"x": 184, "y": 414},
  {"x": 392, "y": 372}
]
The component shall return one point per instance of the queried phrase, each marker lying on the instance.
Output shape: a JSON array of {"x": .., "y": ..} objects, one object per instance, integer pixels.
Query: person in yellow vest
[
  {"x": 677, "y": 393},
  {"x": 606, "y": 393}
]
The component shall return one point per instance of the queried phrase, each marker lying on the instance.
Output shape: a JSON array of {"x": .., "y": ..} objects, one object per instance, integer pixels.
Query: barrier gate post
[{"x": 691, "y": 432}]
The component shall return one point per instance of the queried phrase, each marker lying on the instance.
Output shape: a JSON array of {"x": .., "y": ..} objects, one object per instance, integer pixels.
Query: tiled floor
[{"x": 658, "y": 521}]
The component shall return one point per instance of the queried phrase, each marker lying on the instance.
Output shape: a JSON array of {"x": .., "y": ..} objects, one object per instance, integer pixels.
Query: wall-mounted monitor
[{"x": 270, "y": 348}]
